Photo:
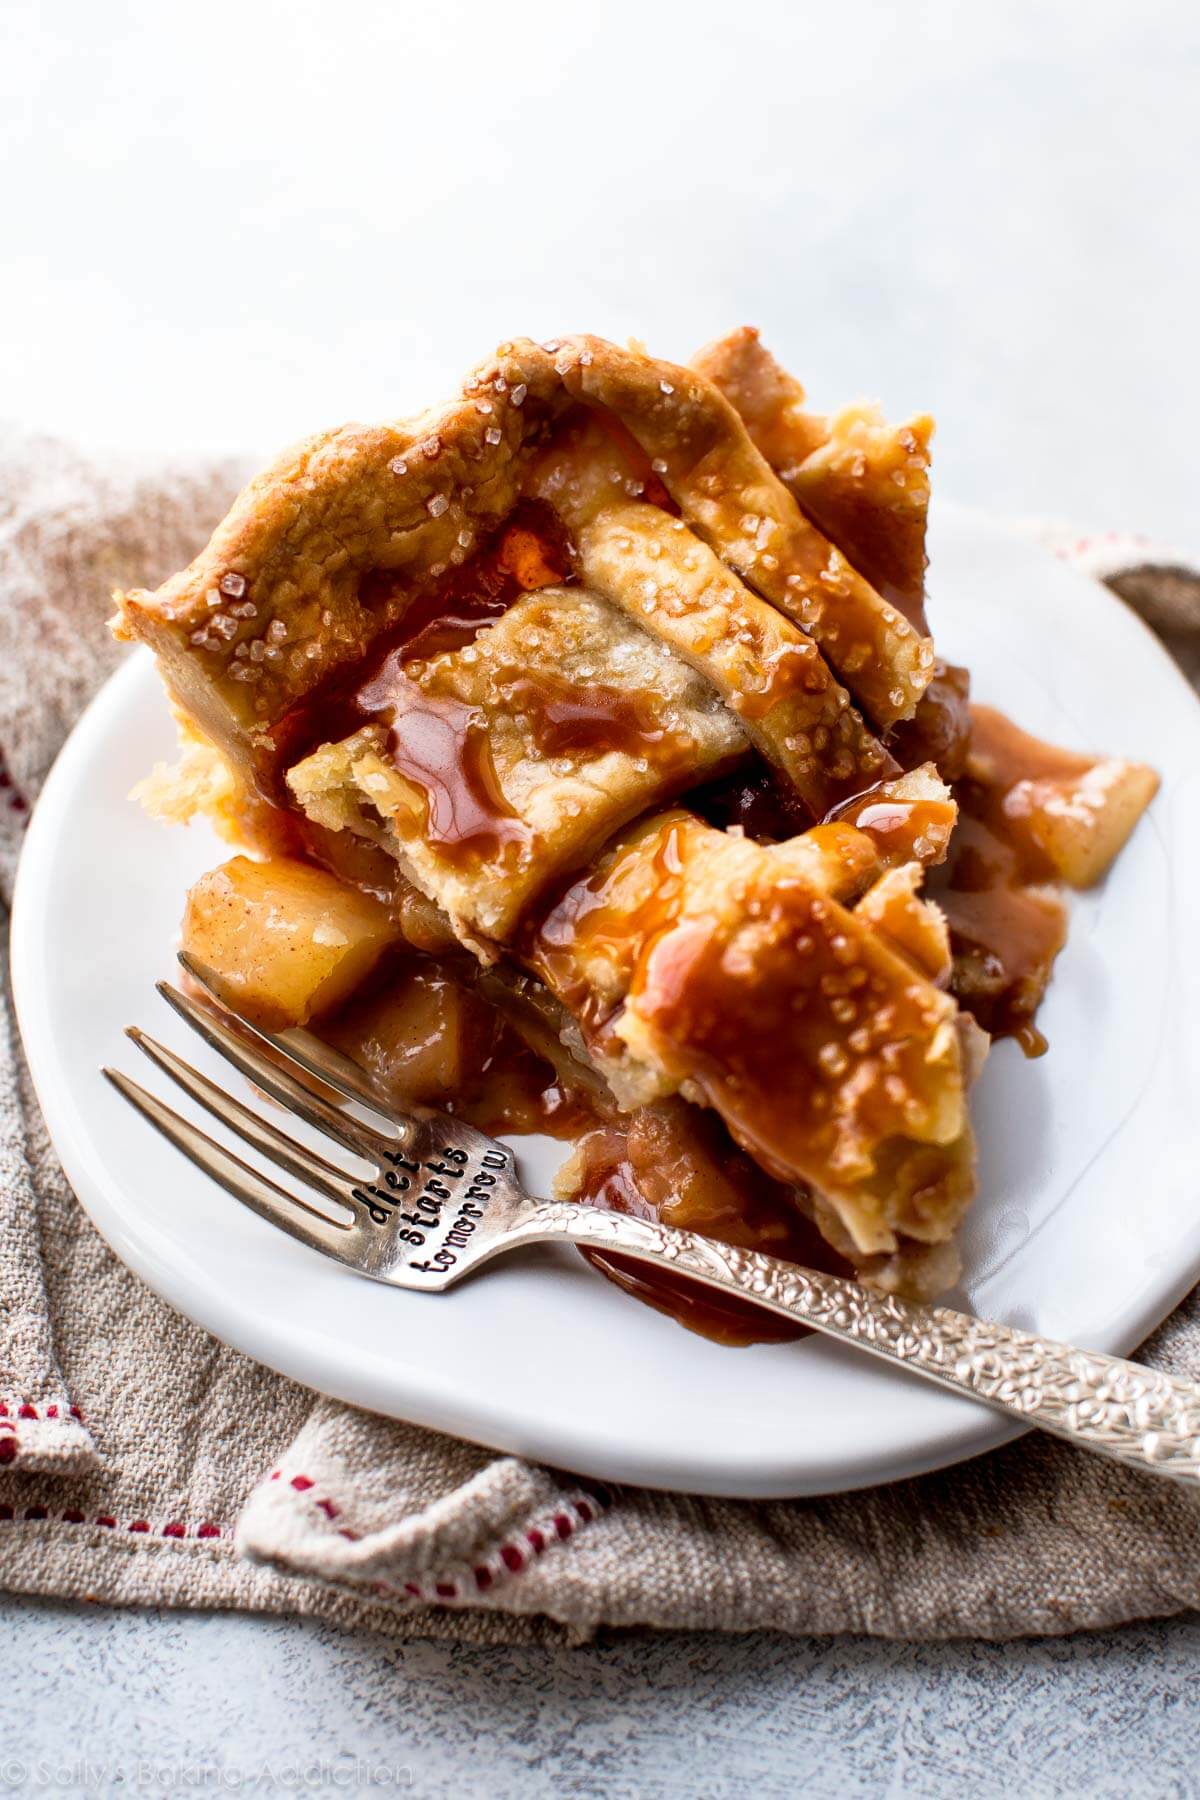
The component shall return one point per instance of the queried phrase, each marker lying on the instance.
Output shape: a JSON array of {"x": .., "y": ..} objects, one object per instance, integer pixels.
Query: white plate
[{"x": 1088, "y": 1222}]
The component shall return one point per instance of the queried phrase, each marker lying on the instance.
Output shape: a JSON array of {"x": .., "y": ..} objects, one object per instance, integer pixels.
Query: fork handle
[{"x": 1142, "y": 1417}]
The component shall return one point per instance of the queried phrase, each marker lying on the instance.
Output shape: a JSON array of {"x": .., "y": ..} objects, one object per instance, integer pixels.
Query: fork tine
[
  {"x": 305, "y": 1164},
  {"x": 340, "y": 1072},
  {"x": 254, "y": 1190},
  {"x": 259, "y": 1068}
]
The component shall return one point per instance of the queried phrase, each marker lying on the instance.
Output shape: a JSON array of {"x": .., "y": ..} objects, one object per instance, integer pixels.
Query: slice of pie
[{"x": 590, "y": 729}]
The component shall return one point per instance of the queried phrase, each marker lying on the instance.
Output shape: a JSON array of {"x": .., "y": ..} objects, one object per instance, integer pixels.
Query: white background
[
  {"x": 225, "y": 225},
  {"x": 230, "y": 224}
]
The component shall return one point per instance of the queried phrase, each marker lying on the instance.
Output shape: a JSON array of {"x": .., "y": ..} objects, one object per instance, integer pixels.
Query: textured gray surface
[{"x": 161, "y": 1697}]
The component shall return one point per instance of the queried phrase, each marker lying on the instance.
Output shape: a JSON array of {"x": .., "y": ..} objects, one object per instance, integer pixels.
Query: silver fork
[{"x": 434, "y": 1199}]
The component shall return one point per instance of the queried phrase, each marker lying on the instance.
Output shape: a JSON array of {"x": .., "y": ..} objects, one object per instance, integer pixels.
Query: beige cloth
[{"x": 141, "y": 1461}]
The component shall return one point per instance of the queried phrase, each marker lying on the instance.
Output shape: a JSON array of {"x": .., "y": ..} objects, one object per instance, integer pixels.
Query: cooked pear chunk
[{"x": 285, "y": 942}]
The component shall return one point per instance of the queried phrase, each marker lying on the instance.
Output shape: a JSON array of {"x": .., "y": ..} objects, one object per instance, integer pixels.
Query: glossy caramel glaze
[
  {"x": 817, "y": 1044},
  {"x": 427, "y": 1037},
  {"x": 997, "y": 886},
  {"x": 567, "y": 720},
  {"x": 1004, "y": 940},
  {"x": 441, "y": 747},
  {"x": 905, "y": 830},
  {"x": 940, "y": 730},
  {"x": 531, "y": 550},
  {"x": 678, "y": 1164},
  {"x": 598, "y": 919},
  {"x": 438, "y": 743}
]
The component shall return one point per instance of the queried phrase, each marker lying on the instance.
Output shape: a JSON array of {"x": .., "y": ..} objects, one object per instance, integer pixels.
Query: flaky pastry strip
[
  {"x": 702, "y": 963},
  {"x": 864, "y": 482},
  {"x": 660, "y": 573}
]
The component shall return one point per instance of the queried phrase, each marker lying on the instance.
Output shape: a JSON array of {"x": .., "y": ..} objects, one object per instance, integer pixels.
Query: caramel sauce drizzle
[
  {"x": 1004, "y": 935},
  {"x": 530, "y": 550},
  {"x": 589, "y": 920},
  {"x": 566, "y": 720},
  {"x": 1006, "y": 925},
  {"x": 784, "y": 1029},
  {"x": 677, "y": 1164},
  {"x": 441, "y": 746},
  {"x": 903, "y": 829}
]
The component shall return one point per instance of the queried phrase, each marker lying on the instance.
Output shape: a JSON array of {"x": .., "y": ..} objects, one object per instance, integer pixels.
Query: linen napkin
[{"x": 143, "y": 1462}]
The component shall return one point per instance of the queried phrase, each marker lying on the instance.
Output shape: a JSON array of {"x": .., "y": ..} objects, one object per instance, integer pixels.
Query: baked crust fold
[{"x": 863, "y": 482}]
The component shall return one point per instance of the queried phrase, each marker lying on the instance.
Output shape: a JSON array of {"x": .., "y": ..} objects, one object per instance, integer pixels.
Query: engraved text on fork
[{"x": 450, "y": 1189}]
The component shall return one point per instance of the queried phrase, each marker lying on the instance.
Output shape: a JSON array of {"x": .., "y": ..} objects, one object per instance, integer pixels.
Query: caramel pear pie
[{"x": 599, "y": 775}]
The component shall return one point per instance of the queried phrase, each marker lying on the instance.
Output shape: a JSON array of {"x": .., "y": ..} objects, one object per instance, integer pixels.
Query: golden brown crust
[
  {"x": 796, "y": 988},
  {"x": 709, "y": 965},
  {"x": 769, "y": 401},
  {"x": 863, "y": 482},
  {"x": 767, "y": 671},
  {"x": 276, "y": 602},
  {"x": 867, "y": 487}
]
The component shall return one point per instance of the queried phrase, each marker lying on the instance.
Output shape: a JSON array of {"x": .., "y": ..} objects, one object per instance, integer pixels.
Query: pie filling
[{"x": 602, "y": 778}]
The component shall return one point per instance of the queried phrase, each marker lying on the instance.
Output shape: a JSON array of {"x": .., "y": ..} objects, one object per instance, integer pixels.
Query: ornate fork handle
[
  {"x": 1135, "y": 1415},
  {"x": 1138, "y": 1416}
]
